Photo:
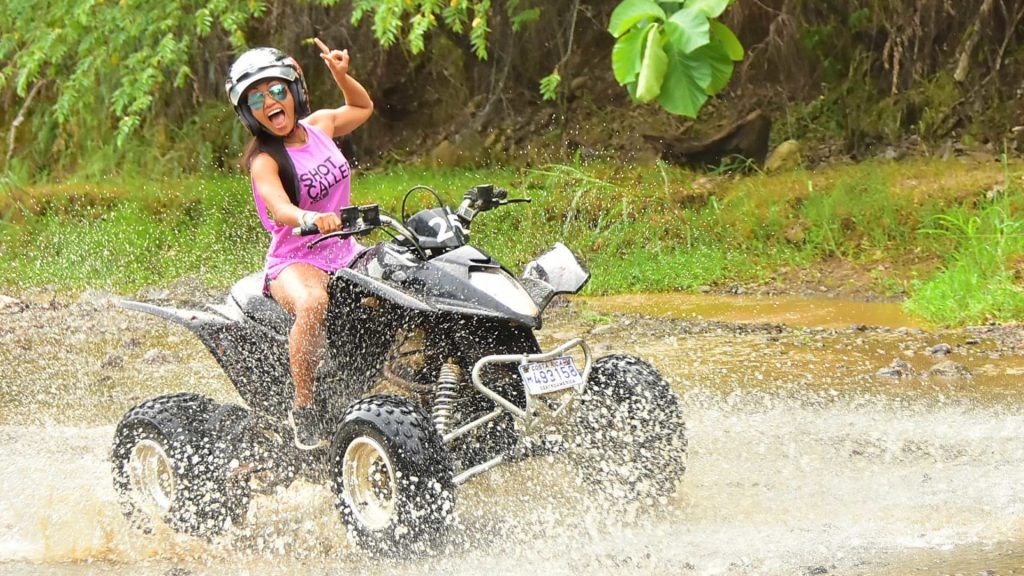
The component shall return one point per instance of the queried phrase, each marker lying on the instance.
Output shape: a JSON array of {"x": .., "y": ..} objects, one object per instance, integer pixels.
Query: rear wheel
[
  {"x": 629, "y": 432},
  {"x": 168, "y": 468},
  {"x": 392, "y": 476}
]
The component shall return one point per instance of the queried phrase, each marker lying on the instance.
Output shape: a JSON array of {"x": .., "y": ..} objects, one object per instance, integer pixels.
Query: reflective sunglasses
[{"x": 277, "y": 91}]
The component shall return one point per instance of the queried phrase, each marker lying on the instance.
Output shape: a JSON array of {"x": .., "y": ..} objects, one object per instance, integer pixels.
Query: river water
[{"x": 802, "y": 459}]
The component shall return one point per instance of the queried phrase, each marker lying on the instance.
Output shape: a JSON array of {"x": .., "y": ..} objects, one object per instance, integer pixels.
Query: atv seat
[{"x": 248, "y": 295}]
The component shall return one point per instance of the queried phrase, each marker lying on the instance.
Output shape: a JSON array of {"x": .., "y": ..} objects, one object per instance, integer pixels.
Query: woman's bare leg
[{"x": 302, "y": 290}]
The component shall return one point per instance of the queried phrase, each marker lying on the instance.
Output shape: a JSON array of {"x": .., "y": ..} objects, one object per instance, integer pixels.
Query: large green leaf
[
  {"x": 630, "y": 12},
  {"x": 652, "y": 67},
  {"x": 721, "y": 65},
  {"x": 686, "y": 80},
  {"x": 626, "y": 55},
  {"x": 688, "y": 30},
  {"x": 709, "y": 8},
  {"x": 729, "y": 41}
]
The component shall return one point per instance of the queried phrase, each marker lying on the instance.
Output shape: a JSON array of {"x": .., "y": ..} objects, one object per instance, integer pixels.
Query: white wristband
[{"x": 306, "y": 218}]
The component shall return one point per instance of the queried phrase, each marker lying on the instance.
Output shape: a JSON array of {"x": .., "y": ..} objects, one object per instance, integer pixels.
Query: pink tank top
[{"x": 324, "y": 186}]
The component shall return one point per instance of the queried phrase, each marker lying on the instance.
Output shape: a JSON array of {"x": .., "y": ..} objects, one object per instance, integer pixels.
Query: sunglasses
[{"x": 277, "y": 91}]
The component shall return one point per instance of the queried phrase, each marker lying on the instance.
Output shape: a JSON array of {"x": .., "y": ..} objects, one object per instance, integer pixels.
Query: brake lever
[
  {"x": 338, "y": 234},
  {"x": 362, "y": 230}
]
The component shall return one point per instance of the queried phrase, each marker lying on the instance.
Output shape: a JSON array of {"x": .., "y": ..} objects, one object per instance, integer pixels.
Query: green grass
[
  {"x": 980, "y": 280},
  {"x": 923, "y": 226}
]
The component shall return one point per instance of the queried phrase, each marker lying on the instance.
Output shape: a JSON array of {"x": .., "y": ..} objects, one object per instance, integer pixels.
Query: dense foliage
[{"x": 94, "y": 87}]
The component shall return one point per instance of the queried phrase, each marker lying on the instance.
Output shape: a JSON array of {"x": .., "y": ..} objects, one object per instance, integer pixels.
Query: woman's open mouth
[{"x": 278, "y": 119}]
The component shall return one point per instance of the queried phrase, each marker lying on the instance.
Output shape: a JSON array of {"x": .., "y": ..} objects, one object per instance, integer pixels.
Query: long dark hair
[{"x": 274, "y": 146}]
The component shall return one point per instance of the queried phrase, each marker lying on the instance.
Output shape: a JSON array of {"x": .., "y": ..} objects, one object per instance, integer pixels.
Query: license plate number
[{"x": 550, "y": 376}]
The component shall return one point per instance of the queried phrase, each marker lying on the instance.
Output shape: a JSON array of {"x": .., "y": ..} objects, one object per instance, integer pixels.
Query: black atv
[{"x": 432, "y": 375}]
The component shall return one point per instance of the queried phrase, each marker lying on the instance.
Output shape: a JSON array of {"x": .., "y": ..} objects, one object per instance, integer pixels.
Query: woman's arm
[
  {"x": 358, "y": 106},
  {"x": 271, "y": 190}
]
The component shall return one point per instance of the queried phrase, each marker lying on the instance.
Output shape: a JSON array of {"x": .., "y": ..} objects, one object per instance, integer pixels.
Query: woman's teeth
[{"x": 277, "y": 118}]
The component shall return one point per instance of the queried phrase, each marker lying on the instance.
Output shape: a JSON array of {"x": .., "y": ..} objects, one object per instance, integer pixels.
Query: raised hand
[{"x": 336, "y": 60}]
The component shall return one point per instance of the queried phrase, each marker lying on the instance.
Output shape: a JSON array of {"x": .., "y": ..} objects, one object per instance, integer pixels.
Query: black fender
[
  {"x": 255, "y": 359},
  {"x": 383, "y": 290}
]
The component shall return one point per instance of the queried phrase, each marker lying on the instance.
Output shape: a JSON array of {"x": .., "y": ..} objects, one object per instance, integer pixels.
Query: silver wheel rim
[
  {"x": 369, "y": 480},
  {"x": 151, "y": 474}
]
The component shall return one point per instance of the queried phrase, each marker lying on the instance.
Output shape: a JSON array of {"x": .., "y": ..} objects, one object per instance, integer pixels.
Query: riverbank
[{"x": 941, "y": 236}]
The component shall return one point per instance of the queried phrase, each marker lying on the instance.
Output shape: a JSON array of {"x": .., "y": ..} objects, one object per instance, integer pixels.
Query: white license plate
[{"x": 544, "y": 377}]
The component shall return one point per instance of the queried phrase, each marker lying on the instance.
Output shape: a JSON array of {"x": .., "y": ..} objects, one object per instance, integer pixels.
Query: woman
[{"x": 300, "y": 177}]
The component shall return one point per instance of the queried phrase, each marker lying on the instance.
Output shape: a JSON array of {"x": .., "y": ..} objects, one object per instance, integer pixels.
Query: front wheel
[
  {"x": 392, "y": 476},
  {"x": 629, "y": 432}
]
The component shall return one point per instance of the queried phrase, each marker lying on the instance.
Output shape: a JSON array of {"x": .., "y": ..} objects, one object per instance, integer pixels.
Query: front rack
[{"x": 529, "y": 418}]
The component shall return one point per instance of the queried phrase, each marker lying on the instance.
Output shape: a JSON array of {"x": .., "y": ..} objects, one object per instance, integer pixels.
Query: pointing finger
[{"x": 323, "y": 47}]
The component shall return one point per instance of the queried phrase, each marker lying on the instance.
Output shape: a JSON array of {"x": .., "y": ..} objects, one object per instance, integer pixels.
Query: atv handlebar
[
  {"x": 482, "y": 198},
  {"x": 355, "y": 220},
  {"x": 361, "y": 220}
]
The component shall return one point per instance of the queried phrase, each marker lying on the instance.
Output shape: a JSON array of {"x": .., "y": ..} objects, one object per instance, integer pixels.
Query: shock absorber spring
[{"x": 447, "y": 393}]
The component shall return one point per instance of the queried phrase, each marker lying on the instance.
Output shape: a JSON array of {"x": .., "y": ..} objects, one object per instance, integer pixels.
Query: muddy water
[
  {"x": 803, "y": 460},
  {"x": 803, "y": 311}
]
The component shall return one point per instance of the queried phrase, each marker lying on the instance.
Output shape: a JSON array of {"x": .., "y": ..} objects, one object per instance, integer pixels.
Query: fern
[
  {"x": 478, "y": 29},
  {"x": 549, "y": 85}
]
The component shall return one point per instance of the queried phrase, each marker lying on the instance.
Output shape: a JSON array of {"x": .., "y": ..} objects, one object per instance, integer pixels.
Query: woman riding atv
[{"x": 299, "y": 177}]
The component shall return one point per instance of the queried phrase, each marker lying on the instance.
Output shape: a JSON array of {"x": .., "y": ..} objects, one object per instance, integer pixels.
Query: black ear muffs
[{"x": 301, "y": 98}]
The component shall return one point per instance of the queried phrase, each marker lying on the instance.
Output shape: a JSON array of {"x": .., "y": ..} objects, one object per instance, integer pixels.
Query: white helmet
[{"x": 257, "y": 65}]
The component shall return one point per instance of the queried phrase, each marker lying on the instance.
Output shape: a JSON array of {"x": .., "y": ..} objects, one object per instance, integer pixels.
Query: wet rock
[
  {"x": 558, "y": 301},
  {"x": 814, "y": 570},
  {"x": 940, "y": 350},
  {"x": 157, "y": 357},
  {"x": 112, "y": 362},
  {"x": 949, "y": 369},
  {"x": 892, "y": 153},
  {"x": 10, "y": 305},
  {"x": 786, "y": 156},
  {"x": 736, "y": 290},
  {"x": 898, "y": 369},
  {"x": 972, "y": 341}
]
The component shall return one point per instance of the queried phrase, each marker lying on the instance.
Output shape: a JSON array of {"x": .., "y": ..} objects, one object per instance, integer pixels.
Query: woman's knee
[{"x": 311, "y": 304}]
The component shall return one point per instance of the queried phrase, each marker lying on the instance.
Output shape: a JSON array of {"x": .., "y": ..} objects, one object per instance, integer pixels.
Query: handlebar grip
[{"x": 307, "y": 230}]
